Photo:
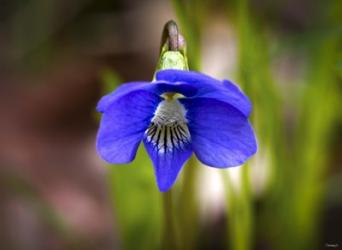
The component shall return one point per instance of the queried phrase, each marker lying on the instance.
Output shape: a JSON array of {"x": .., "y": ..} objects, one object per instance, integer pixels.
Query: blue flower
[{"x": 179, "y": 113}]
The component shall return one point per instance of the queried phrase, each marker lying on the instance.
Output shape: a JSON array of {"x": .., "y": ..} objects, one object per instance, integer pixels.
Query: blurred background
[{"x": 58, "y": 57}]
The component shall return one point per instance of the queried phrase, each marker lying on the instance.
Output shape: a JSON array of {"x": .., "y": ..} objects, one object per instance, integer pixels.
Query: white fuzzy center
[{"x": 168, "y": 129}]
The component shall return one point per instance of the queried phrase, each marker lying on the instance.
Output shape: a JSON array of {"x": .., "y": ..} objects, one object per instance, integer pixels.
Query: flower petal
[
  {"x": 221, "y": 135},
  {"x": 167, "y": 164},
  {"x": 156, "y": 87},
  {"x": 123, "y": 125},
  {"x": 119, "y": 92},
  {"x": 209, "y": 87}
]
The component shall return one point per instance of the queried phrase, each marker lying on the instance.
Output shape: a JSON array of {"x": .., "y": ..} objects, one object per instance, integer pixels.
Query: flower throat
[{"x": 168, "y": 129}]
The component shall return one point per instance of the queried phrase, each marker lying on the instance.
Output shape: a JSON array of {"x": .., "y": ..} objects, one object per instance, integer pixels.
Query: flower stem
[
  {"x": 170, "y": 240},
  {"x": 187, "y": 210}
]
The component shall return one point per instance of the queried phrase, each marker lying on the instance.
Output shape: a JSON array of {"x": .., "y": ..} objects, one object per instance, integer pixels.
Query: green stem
[
  {"x": 170, "y": 240},
  {"x": 187, "y": 208}
]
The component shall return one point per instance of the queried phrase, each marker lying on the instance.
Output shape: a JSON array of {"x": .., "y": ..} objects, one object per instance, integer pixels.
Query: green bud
[{"x": 172, "y": 60}]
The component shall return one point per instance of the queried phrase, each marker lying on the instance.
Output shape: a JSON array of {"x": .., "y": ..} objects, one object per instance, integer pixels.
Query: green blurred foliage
[{"x": 136, "y": 203}]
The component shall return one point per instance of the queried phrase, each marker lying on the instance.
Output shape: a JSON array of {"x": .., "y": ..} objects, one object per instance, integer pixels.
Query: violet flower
[{"x": 179, "y": 113}]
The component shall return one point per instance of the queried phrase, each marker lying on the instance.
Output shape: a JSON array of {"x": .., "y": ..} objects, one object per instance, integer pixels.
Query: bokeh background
[{"x": 58, "y": 57}]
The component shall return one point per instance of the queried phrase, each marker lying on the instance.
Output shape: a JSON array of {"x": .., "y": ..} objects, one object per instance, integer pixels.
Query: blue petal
[
  {"x": 119, "y": 92},
  {"x": 157, "y": 87},
  {"x": 221, "y": 135},
  {"x": 123, "y": 125},
  {"x": 167, "y": 164},
  {"x": 209, "y": 87}
]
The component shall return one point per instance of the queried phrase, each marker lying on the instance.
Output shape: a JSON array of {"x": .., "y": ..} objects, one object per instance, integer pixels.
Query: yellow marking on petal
[{"x": 168, "y": 96}]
